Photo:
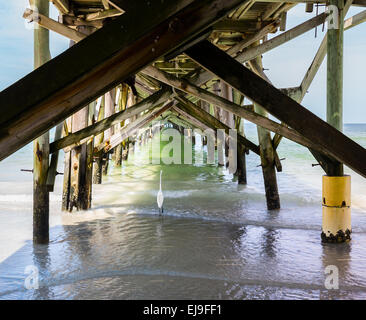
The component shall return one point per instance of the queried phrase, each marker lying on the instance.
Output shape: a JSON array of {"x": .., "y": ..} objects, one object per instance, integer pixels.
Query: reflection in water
[{"x": 216, "y": 240}]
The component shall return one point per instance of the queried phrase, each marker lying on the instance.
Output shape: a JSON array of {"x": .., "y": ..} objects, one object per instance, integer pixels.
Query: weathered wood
[
  {"x": 102, "y": 125},
  {"x": 109, "y": 99},
  {"x": 312, "y": 71},
  {"x": 283, "y": 21},
  {"x": 190, "y": 119},
  {"x": 89, "y": 159},
  {"x": 67, "y": 170},
  {"x": 241, "y": 171},
  {"x": 81, "y": 156},
  {"x": 62, "y": 5},
  {"x": 34, "y": 104},
  {"x": 266, "y": 148},
  {"x": 98, "y": 163},
  {"x": 105, "y": 4},
  {"x": 41, "y": 145},
  {"x": 122, "y": 105},
  {"x": 271, "y": 10},
  {"x": 238, "y": 25},
  {"x": 78, "y": 164},
  {"x": 52, "y": 170},
  {"x": 53, "y": 25},
  {"x": 212, "y": 122},
  {"x": 322, "y": 50},
  {"x": 243, "y": 112},
  {"x": 103, "y": 14},
  {"x": 335, "y": 75},
  {"x": 131, "y": 128},
  {"x": 234, "y": 50},
  {"x": 281, "y": 106},
  {"x": 253, "y": 52}
]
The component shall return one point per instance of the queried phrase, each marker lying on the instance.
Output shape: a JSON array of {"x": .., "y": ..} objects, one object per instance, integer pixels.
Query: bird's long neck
[{"x": 160, "y": 178}]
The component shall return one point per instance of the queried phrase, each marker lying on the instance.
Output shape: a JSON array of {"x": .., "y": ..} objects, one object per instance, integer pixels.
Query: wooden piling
[
  {"x": 109, "y": 97},
  {"x": 67, "y": 169},
  {"x": 335, "y": 74},
  {"x": 241, "y": 171},
  {"x": 41, "y": 144},
  {"x": 267, "y": 159},
  {"x": 336, "y": 195},
  {"x": 122, "y": 104},
  {"x": 82, "y": 155},
  {"x": 97, "y": 167}
]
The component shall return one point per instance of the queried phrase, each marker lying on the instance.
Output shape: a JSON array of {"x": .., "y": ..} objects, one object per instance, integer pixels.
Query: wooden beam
[
  {"x": 52, "y": 170},
  {"x": 103, "y": 14},
  {"x": 253, "y": 52},
  {"x": 234, "y": 50},
  {"x": 53, "y": 25},
  {"x": 244, "y": 26},
  {"x": 280, "y": 105},
  {"x": 212, "y": 122},
  {"x": 268, "y": 152},
  {"x": 241, "y": 111},
  {"x": 41, "y": 145},
  {"x": 132, "y": 127},
  {"x": 115, "y": 6},
  {"x": 268, "y": 45},
  {"x": 271, "y": 10},
  {"x": 355, "y": 20},
  {"x": 62, "y": 5},
  {"x": 192, "y": 120},
  {"x": 73, "y": 21},
  {"x": 79, "y": 136},
  {"x": 105, "y": 4},
  {"x": 86, "y": 71},
  {"x": 322, "y": 50}
]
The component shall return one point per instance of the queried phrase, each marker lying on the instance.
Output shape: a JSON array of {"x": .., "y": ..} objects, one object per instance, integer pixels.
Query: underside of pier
[{"x": 196, "y": 64}]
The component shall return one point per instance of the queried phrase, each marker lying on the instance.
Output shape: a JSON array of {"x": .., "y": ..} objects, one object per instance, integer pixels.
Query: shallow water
[{"x": 215, "y": 241}]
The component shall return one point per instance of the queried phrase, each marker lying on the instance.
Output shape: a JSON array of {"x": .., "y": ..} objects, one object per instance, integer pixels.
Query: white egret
[{"x": 160, "y": 197}]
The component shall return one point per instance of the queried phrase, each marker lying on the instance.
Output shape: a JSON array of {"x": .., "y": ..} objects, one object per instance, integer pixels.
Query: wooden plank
[
  {"x": 67, "y": 170},
  {"x": 52, "y": 170},
  {"x": 280, "y": 105},
  {"x": 234, "y": 50},
  {"x": 35, "y": 104},
  {"x": 98, "y": 164},
  {"x": 211, "y": 121},
  {"x": 322, "y": 50},
  {"x": 241, "y": 111},
  {"x": 41, "y": 145},
  {"x": 192, "y": 120},
  {"x": 100, "y": 126},
  {"x": 105, "y": 4},
  {"x": 132, "y": 127},
  {"x": 253, "y": 52},
  {"x": 103, "y": 14},
  {"x": 268, "y": 153},
  {"x": 62, "y": 5},
  {"x": 53, "y": 25},
  {"x": 238, "y": 25},
  {"x": 271, "y": 10}
]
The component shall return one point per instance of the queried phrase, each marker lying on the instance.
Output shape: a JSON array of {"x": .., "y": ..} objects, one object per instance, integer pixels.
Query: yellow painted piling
[{"x": 336, "y": 203}]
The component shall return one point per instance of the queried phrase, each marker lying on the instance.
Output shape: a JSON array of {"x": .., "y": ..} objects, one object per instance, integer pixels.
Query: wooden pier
[{"x": 192, "y": 63}]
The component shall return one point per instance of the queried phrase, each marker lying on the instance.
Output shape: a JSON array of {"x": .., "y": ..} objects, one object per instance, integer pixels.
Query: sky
[{"x": 286, "y": 64}]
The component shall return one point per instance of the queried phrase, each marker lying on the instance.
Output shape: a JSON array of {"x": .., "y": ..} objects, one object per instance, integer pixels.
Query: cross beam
[
  {"x": 280, "y": 105},
  {"x": 98, "y": 63}
]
